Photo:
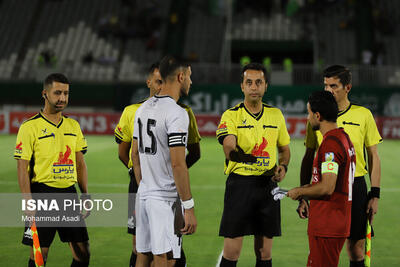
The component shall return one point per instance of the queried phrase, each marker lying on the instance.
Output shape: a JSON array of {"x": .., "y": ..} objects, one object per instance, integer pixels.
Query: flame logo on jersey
[
  {"x": 63, "y": 158},
  {"x": 222, "y": 128},
  {"x": 119, "y": 129},
  {"x": 18, "y": 148},
  {"x": 258, "y": 150},
  {"x": 222, "y": 125}
]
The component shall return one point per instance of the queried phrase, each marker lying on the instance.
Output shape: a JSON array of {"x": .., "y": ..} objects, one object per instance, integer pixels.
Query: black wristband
[
  {"x": 375, "y": 192},
  {"x": 284, "y": 166}
]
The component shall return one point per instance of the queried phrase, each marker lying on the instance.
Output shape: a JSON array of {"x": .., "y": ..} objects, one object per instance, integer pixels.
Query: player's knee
[
  {"x": 232, "y": 253},
  {"x": 355, "y": 249},
  {"x": 263, "y": 254}
]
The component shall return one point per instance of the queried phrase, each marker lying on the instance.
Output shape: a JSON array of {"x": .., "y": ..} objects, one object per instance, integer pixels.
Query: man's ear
[
  {"x": 348, "y": 88},
  {"x": 180, "y": 77},
  {"x": 319, "y": 118},
  {"x": 44, "y": 94}
]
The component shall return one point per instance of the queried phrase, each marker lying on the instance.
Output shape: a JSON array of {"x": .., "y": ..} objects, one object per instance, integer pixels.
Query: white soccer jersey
[{"x": 160, "y": 123}]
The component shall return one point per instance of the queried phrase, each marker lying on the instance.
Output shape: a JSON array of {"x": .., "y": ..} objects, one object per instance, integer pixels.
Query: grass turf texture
[{"x": 112, "y": 246}]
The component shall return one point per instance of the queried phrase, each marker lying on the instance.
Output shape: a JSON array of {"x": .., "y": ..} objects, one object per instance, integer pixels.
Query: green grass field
[{"x": 112, "y": 246}]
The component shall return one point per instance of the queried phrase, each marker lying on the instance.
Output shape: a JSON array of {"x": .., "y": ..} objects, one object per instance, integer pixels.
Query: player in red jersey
[{"x": 332, "y": 181}]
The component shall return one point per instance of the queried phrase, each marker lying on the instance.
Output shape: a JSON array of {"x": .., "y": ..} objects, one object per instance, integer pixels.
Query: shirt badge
[{"x": 330, "y": 156}]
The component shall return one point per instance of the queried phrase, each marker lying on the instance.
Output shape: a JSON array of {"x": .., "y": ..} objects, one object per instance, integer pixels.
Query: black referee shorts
[
  {"x": 47, "y": 234},
  {"x": 133, "y": 188},
  {"x": 359, "y": 210},
  {"x": 249, "y": 207}
]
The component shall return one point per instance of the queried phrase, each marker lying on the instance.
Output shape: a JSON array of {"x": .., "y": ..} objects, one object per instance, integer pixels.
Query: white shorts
[{"x": 155, "y": 227}]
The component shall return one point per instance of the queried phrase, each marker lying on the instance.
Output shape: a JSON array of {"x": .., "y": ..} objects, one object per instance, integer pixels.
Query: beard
[
  {"x": 184, "y": 92},
  {"x": 56, "y": 107}
]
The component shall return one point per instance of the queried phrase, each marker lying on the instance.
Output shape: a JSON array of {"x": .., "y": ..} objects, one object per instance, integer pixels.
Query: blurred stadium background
[{"x": 106, "y": 46}]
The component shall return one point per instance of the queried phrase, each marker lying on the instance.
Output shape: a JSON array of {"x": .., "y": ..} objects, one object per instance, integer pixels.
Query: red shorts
[{"x": 324, "y": 251}]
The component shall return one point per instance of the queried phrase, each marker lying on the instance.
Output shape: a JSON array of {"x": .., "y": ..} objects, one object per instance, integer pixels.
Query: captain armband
[{"x": 330, "y": 166}]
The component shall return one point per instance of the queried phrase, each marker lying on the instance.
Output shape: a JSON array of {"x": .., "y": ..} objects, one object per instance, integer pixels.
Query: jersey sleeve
[
  {"x": 311, "y": 140},
  {"x": 177, "y": 128},
  {"x": 194, "y": 135},
  {"x": 372, "y": 136},
  {"x": 330, "y": 150},
  {"x": 122, "y": 131},
  {"x": 226, "y": 126},
  {"x": 81, "y": 144},
  {"x": 25, "y": 142},
  {"x": 283, "y": 135}
]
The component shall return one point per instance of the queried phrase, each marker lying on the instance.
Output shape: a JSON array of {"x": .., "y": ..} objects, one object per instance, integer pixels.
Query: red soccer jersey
[{"x": 330, "y": 215}]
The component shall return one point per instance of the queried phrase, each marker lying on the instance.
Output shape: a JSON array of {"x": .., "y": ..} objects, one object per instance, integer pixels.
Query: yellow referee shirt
[
  {"x": 124, "y": 130},
  {"x": 50, "y": 149},
  {"x": 360, "y": 125},
  {"x": 258, "y": 135}
]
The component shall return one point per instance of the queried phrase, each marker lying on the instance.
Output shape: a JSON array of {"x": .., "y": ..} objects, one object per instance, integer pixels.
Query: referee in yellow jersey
[
  {"x": 360, "y": 125},
  {"x": 251, "y": 134},
  {"x": 123, "y": 136},
  {"x": 49, "y": 152}
]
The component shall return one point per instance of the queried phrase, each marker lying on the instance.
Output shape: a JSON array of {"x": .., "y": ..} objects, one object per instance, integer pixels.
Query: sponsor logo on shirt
[
  {"x": 64, "y": 167},
  {"x": 258, "y": 150},
  {"x": 262, "y": 155},
  {"x": 18, "y": 148},
  {"x": 28, "y": 233},
  {"x": 330, "y": 156},
  {"x": 222, "y": 125}
]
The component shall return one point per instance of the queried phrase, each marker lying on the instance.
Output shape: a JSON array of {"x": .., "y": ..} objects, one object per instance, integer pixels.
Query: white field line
[
  {"x": 219, "y": 258},
  {"x": 119, "y": 185},
  {"x": 198, "y": 187}
]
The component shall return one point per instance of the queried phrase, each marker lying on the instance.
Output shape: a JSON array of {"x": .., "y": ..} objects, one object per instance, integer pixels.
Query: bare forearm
[
  {"x": 306, "y": 167},
  {"x": 305, "y": 171},
  {"x": 82, "y": 177},
  {"x": 137, "y": 171},
  {"x": 181, "y": 177},
  {"x": 123, "y": 152},
  {"x": 315, "y": 191},
  {"x": 284, "y": 155},
  {"x": 23, "y": 177},
  {"x": 374, "y": 164}
]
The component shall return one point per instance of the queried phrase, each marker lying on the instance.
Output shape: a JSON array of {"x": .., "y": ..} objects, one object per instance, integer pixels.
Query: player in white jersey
[{"x": 158, "y": 154}]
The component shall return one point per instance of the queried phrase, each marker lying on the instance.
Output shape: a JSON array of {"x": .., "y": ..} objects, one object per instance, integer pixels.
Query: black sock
[
  {"x": 227, "y": 263},
  {"x": 132, "y": 261},
  {"x": 357, "y": 263},
  {"x": 266, "y": 263},
  {"x": 181, "y": 262},
  {"x": 79, "y": 263},
  {"x": 31, "y": 263}
]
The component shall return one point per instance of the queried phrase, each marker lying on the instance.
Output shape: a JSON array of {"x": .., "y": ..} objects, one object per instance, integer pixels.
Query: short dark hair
[
  {"x": 153, "y": 67},
  {"x": 55, "y": 77},
  {"x": 324, "y": 103},
  {"x": 339, "y": 71},
  {"x": 254, "y": 66},
  {"x": 169, "y": 65}
]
